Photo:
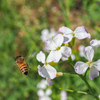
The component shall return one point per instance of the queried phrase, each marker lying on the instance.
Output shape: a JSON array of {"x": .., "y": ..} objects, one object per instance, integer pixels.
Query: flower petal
[
  {"x": 81, "y": 48},
  {"x": 51, "y": 71},
  {"x": 50, "y": 57},
  {"x": 93, "y": 73},
  {"x": 54, "y": 56},
  {"x": 40, "y": 93},
  {"x": 64, "y": 58},
  {"x": 80, "y": 67},
  {"x": 50, "y": 45},
  {"x": 88, "y": 53},
  {"x": 65, "y": 30},
  {"x": 45, "y": 35},
  {"x": 96, "y": 64},
  {"x": 66, "y": 51},
  {"x": 58, "y": 39},
  {"x": 53, "y": 32},
  {"x": 40, "y": 57},
  {"x": 42, "y": 71},
  {"x": 47, "y": 71},
  {"x": 81, "y": 33},
  {"x": 48, "y": 92},
  {"x": 67, "y": 38},
  {"x": 63, "y": 95},
  {"x": 95, "y": 43},
  {"x": 45, "y": 98},
  {"x": 42, "y": 84},
  {"x": 49, "y": 81}
]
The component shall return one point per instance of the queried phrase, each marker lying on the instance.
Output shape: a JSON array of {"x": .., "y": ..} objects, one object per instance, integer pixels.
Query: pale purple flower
[
  {"x": 95, "y": 43},
  {"x": 63, "y": 95},
  {"x": 55, "y": 45},
  {"x": 81, "y": 67},
  {"x": 46, "y": 71},
  {"x": 47, "y": 35},
  {"x": 44, "y": 95},
  {"x": 79, "y": 32}
]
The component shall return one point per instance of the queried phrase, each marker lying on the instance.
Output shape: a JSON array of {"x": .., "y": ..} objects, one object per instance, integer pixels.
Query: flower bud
[{"x": 59, "y": 74}]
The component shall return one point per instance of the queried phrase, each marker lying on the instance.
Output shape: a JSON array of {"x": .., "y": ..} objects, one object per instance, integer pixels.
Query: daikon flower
[
  {"x": 55, "y": 45},
  {"x": 79, "y": 32},
  {"x": 44, "y": 95},
  {"x": 46, "y": 71},
  {"x": 81, "y": 67}
]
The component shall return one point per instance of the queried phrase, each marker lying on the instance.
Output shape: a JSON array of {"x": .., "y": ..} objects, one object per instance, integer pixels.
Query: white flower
[
  {"x": 44, "y": 95},
  {"x": 42, "y": 84},
  {"x": 46, "y": 71},
  {"x": 55, "y": 45},
  {"x": 81, "y": 48},
  {"x": 63, "y": 95},
  {"x": 95, "y": 43},
  {"x": 79, "y": 32},
  {"x": 47, "y": 35},
  {"x": 81, "y": 67}
]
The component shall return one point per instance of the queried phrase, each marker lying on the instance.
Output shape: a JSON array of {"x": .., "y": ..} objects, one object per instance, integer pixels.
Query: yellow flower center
[
  {"x": 45, "y": 63},
  {"x": 73, "y": 34},
  {"x": 89, "y": 63},
  {"x": 58, "y": 48},
  {"x": 52, "y": 37},
  {"x": 67, "y": 44},
  {"x": 61, "y": 33}
]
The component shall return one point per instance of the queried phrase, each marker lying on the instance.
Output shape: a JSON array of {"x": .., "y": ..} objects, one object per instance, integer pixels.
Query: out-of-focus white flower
[
  {"x": 63, "y": 95},
  {"x": 55, "y": 45},
  {"x": 81, "y": 48},
  {"x": 95, "y": 43},
  {"x": 47, "y": 35},
  {"x": 81, "y": 67},
  {"x": 73, "y": 57},
  {"x": 46, "y": 71},
  {"x": 42, "y": 84},
  {"x": 44, "y": 95},
  {"x": 79, "y": 32}
]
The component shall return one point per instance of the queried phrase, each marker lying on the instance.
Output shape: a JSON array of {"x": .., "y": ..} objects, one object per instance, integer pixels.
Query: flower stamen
[
  {"x": 67, "y": 44},
  {"x": 58, "y": 48},
  {"x": 45, "y": 63},
  {"x": 61, "y": 33},
  {"x": 73, "y": 34},
  {"x": 89, "y": 63}
]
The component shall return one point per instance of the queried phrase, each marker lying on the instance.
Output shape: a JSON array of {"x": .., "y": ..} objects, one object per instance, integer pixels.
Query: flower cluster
[
  {"x": 60, "y": 48},
  {"x": 43, "y": 91}
]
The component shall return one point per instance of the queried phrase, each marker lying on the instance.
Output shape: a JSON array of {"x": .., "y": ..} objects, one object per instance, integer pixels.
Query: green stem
[
  {"x": 75, "y": 91},
  {"x": 89, "y": 87}
]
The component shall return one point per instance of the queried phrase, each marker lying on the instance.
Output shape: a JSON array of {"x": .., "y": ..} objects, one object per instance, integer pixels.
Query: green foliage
[{"x": 21, "y": 22}]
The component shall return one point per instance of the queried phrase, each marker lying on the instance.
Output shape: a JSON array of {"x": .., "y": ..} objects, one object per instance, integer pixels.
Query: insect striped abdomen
[{"x": 24, "y": 68}]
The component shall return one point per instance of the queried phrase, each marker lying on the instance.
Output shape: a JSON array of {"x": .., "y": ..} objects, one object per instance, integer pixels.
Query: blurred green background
[{"x": 21, "y": 23}]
